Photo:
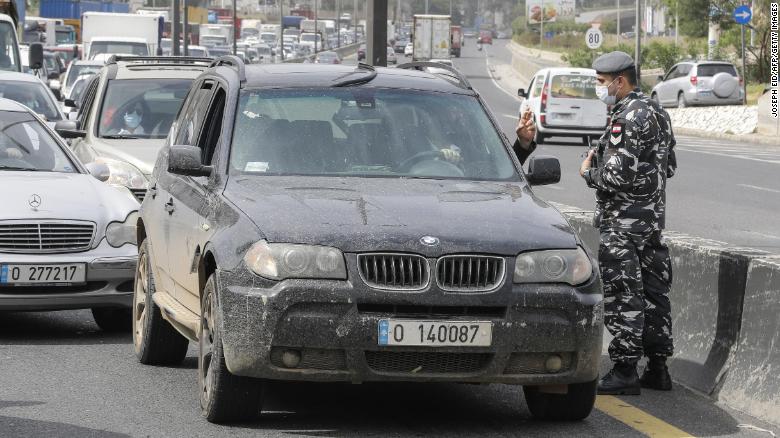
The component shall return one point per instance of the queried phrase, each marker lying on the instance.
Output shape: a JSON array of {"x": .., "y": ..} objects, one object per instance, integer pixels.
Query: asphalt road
[
  {"x": 62, "y": 377},
  {"x": 723, "y": 190}
]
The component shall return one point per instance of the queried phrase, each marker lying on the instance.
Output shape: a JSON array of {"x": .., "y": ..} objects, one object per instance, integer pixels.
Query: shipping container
[
  {"x": 116, "y": 7},
  {"x": 431, "y": 37},
  {"x": 68, "y": 8}
]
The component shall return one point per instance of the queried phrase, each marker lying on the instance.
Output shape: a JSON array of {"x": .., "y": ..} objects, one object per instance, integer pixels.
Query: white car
[
  {"x": 564, "y": 104},
  {"x": 31, "y": 92},
  {"x": 391, "y": 58},
  {"x": 409, "y": 49},
  {"x": 67, "y": 240}
]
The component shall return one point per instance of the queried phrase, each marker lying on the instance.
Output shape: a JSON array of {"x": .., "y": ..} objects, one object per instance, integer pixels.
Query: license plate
[
  {"x": 705, "y": 92},
  {"x": 435, "y": 333},
  {"x": 561, "y": 116},
  {"x": 42, "y": 274}
]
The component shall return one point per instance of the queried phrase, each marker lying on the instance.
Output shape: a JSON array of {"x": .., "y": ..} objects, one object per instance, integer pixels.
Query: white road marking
[
  {"x": 510, "y": 116},
  {"x": 765, "y": 189},
  {"x": 490, "y": 73},
  {"x": 741, "y": 157}
]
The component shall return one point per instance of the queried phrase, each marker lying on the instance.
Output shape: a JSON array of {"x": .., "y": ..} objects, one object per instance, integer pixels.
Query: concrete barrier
[{"x": 725, "y": 318}]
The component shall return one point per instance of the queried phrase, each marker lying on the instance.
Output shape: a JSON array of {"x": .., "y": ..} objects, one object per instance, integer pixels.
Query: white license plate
[
  {"x": 435, "y": 333},
  {"x": 705, "y": 92},
  {"x": 42, "y": 274}
]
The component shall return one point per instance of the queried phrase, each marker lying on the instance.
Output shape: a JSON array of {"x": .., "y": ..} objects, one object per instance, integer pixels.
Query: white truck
[
  {"x": 9, "y": 46},
  {"x": 431, "y": 37},
  {"x": 105, "y": 34},
  {"x": 212, "y": 35}
]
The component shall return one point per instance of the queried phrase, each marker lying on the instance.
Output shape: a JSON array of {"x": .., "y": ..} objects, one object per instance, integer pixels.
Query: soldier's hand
[
  {"x": 526, "y": 129},
  {"x": 586, "y": 163}
]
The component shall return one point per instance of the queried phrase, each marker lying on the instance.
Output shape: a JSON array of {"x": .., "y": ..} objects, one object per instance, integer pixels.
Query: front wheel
[
  {"x": 575, "y": 405},
  {"x": 224, "y": 397},
  {"x": 681, "y": 102}
]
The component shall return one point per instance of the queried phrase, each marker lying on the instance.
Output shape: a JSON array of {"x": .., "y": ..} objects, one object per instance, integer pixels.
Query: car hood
[
  {"x": 71, "y": 196},
  {"x": 377, "y": 214},
  {"x": 140, "y": 152}
]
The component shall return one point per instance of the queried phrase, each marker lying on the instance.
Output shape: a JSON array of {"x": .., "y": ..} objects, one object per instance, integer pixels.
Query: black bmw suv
[{"x": 334, "y": 223}]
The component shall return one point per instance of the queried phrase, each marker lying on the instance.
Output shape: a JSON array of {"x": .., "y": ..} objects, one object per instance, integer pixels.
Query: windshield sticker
[{"x": 256, "y": 166}]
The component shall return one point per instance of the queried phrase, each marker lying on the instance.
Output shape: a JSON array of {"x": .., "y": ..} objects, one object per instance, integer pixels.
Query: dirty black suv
[{"x": 337, "y": 223}]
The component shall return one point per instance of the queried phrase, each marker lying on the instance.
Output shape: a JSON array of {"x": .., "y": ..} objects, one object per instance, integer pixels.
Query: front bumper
[
  {"x": 333, "y": 326},
  {"x": 110, "y": 272}
]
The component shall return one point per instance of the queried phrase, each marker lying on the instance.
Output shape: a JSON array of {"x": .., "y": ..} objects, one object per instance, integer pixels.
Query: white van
[{"x": 564, "y": 103}]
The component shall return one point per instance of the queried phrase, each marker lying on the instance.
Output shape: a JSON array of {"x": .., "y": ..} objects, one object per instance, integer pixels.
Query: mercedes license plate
[
  {"x": 18, "y": 275},
  {"x": 435, "y": 333}
]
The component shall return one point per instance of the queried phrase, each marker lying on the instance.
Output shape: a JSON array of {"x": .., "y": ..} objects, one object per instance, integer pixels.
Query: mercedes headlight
[
  {"x": 120, "y": 233},
  {"x": 570, "y": 266},
  {"x": 123, "y": 174},
  {"x": 278, "y": 261}
]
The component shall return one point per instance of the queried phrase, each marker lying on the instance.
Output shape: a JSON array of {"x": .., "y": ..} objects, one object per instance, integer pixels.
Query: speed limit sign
[{"x": 594, "y": 38}]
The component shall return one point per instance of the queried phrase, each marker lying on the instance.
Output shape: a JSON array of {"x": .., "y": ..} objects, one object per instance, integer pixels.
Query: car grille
[
  {"x": 394, "y": 271},
  {"x": 469, "y": 273},
  {"x": 46, "y": 236},
  {"x": 139, "y": 194},
  {"x": 427, "y": 362}
]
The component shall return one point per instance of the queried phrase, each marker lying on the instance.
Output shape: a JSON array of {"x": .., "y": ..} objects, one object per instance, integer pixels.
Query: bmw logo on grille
[{"x": 429, "y": 240}]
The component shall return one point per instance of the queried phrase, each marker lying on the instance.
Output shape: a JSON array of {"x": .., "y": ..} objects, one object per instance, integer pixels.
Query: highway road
[{"x": 62, "y": 377}]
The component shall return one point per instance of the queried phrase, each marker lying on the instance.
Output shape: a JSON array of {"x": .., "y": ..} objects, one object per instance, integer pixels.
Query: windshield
[
  {"x": 218, "y": 51},
  {"x": 250, "y": 31},
  {"x": 31, "y": 94},
  {"x": 80, "y": 69},
  {"x": 141, "y": 108},
  {"x": 65, "y": 37},
  {"x": 310, "y": 37},
  {"x": 573, "y": 87},
  {"x": 9, "y": 58},
  {"x": 212, "y": 39},
  {"x": 117, "y": 48},
  {"x": 26, "y": 145},
  {"x": 197, "y": 52},
  {"x": 367, "y": 132},
  {"x": 268, "y": 37}
]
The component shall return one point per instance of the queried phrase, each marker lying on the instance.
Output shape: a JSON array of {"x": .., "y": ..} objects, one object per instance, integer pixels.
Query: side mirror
[
  {"x": 543, "y": 170},
  {"x": 521, "y": 92},
  {"x": 185, "y": 160},
  {"x": 70, "y": 103},
  {"x": 67, "y": 129},
  {"x": 660, "y": 78},
  {"x": 100, "y": 171},
  {"x": 35, "y": 60}
]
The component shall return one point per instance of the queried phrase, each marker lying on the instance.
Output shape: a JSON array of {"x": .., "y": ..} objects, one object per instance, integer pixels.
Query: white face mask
[
  {"x": 133, "y": 119},
  {"x": 602, "y": 91}
]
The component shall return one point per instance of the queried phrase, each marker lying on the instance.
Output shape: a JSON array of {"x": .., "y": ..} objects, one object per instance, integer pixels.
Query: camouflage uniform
[{"x": 634, "y": 159}]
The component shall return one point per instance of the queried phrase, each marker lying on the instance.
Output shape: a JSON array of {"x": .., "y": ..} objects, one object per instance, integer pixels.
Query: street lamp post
[{"x": 638, "y": 49}]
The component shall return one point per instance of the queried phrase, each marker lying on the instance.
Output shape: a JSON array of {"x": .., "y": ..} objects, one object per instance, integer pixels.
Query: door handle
[
  {"x": 153, "y": 191},
  {"x": 575, "y": 107},
  {"x": 169, "y": 206}
]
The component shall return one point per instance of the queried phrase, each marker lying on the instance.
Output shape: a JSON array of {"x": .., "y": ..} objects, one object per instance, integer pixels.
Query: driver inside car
[{"x": 131, "y": 121}]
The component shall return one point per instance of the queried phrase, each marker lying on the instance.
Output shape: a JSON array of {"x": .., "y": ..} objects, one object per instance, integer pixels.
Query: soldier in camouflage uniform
[{"x": 633, "y": 161}]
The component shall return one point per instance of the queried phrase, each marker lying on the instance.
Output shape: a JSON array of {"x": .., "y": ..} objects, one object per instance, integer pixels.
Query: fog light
[
  {"x": 291, "y": 358},
  {"x": 553, "y": 363}
]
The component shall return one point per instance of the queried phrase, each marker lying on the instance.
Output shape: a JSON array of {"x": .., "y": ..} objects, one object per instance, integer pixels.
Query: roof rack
[
  {"x": 231, "y": 61},
  {"x": 159, "y": 59},
  {"x": 357, "y": 81},
  {"x": 421, "y": 65}
]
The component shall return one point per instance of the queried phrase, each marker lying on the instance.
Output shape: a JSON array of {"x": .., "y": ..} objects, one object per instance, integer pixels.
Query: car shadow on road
[
  {"x": 25, "y": 427},
  {"x": 67, "y": 327}
]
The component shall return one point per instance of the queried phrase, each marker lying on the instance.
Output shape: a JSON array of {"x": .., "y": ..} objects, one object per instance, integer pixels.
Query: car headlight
[
  {"x": 123, "y": 174},
  {"x": 278, "y": 261},
  {"x": 120, "y": 233},
  {"x": 570, "y": 266}
]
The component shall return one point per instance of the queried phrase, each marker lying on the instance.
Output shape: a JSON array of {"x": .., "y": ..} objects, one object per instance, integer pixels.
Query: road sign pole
[
  {"x": 744, "y": 72},
  {"x": 638, "y": 50},
  {"x": 541, "y": 28}
]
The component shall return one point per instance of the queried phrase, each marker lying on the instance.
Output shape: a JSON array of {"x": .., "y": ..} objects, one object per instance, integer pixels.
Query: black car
[{"x": 332, "y": 223}]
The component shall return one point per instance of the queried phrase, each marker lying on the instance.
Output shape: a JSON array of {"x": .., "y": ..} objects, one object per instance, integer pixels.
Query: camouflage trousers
[{"x": 637, "y": 275}]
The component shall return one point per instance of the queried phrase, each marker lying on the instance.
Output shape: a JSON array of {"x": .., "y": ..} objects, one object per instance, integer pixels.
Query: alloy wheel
[{"x": 139, "y": 300}]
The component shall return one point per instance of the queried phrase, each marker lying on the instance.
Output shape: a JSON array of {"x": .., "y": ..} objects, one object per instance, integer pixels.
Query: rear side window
[
  {"x": 538, "y": 84},
  {"x": 573, "y": 87},
  {"x": 713, "y": 69}
]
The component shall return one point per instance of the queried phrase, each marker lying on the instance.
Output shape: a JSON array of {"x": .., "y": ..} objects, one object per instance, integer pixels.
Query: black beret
[{"x": 613, "y": 62}]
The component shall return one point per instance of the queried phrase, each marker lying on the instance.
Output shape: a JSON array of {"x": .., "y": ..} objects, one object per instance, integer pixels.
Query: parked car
[
  {"x": 128, "y": 112},
  {"x": 327, "y": 58},
  {"x": 485, "y": 37},
  {"x": 31, "y": 92},
  {"x": 699, "y": 83},
  {"x": 391, "y": 58},
  {"x": 342, "y": 246},
  {"x": 564, "y": 103},
  {"x": 67, "y": 240},
  {"x": 409, "y": 49}
]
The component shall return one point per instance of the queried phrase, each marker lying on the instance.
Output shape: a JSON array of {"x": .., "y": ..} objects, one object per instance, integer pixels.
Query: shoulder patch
[{"x": 616, "y": 136}]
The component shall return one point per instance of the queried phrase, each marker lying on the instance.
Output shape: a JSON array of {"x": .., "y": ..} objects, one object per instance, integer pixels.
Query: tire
[
  {"x": 681, "y": 102},
  {"x": 573, "y": 406},
  {"x": 224, "y": 397},
  {"x": 111, "y": 319},
  {"x": 156, "y": 342}
]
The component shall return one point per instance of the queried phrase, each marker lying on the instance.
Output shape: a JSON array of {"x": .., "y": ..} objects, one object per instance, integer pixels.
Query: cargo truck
[
  {"x": 216, "y": 35},
  {"x": 431, "y": 37},
  {"x": 105, "y": 34},
  {"x": 9, "y": 45}
]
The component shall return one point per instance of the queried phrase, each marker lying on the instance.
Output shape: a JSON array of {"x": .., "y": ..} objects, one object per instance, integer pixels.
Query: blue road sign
[{"x": 743, "y": 14}]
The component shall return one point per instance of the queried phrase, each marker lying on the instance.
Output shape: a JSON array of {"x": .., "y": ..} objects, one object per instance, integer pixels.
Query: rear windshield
[
  {"x": 573, "y": 87},
  {"x": 713, "y": 69},
  {"x": 117, "y": 48}
]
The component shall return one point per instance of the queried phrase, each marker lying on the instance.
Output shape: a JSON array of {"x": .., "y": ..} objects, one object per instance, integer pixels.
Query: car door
[
  {"x": 80, "y": 146},
  {"x": 664, "y": 90},
  {"x": 188, "y": 194}
]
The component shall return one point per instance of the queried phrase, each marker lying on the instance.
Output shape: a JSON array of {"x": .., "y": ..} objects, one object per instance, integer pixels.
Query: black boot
[
  {"x": 622, "y": 379},
  {"x": 656, "y": 375}
]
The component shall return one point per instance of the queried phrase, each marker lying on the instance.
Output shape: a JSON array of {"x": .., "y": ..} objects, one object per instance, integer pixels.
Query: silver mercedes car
[{"x": 67, "y": 239}]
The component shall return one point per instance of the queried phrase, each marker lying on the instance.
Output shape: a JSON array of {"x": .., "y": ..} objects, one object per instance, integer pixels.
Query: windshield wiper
[
  {"x": 119, "y": 136},
  {"x": 32, "y": 169}
]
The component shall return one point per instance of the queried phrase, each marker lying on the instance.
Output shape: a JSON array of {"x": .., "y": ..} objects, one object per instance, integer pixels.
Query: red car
[{"x": 485, "y": 37}]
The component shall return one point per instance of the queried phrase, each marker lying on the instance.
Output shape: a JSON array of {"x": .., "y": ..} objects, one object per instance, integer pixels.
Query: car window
[
  {"x": 141, "y": 108},
  {"x": 32, "y": 95},
  {"x": 8, "y": 56},
  {"x": 192, "y": 117},
  {"x": 212, "y": 128},
  {"x": 80, "y": 69},
  {"x": 573, "y": 86},
  {"x": 389, "y": 133},
  {"x": 683, "y": 69},
  {"x": 672, "y": 73},
  {"x": 538, "y": 84},
  {"x": 87, "y": 102},
  {"x": 118, "y": 48},
  {"x": 26, "y": 144},
  {"x": 713, "y": 69}
]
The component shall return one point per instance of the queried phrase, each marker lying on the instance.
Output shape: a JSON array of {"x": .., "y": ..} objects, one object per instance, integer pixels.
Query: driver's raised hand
[{"x": 451, "y": 155}]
